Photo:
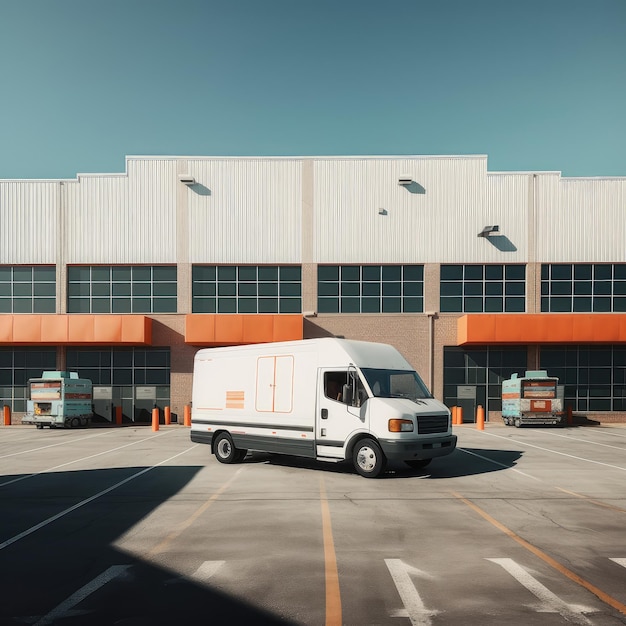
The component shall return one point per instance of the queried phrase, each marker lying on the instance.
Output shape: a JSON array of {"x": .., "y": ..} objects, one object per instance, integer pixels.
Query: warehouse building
[{"x": 473, "y": 275}]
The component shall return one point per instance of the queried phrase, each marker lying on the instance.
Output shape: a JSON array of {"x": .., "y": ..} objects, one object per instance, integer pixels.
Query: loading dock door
[
  {"x": 466, "y": 399},
  {"x": 103, "y": 402}
]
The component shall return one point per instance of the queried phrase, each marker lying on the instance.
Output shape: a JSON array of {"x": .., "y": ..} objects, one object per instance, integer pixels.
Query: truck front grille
[{"x": 429, "y": 424}]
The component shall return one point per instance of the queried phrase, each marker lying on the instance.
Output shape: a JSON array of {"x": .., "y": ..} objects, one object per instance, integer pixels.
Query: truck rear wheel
[
  {"x": 368, "y": 458},
  {"x": 225, "y": 451},
  {"x": 518, "y": 422}
]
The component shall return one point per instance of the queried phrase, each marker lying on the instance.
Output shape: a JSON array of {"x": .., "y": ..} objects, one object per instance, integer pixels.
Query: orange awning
[
  {"x": 75, "y": 330},
  {"x": 227, "y": 330},
  {"x": 528, "y": 328}
]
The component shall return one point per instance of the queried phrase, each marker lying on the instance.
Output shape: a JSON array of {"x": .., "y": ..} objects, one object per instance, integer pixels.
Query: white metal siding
[
  {"x": 247, "y": 211},
  {"x": 28, "y": 222},
  {"x": 581, "y": 220},
  {"x": 437, "y": 219},
  {"x": 123, "y": 219}
]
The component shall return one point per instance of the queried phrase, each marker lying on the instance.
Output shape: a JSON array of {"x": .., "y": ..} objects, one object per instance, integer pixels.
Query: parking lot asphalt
[{"x": 133, "y": 527}]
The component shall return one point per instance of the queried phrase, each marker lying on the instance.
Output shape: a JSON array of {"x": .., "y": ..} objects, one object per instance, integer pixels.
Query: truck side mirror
[{"x": 347, "y": 394}]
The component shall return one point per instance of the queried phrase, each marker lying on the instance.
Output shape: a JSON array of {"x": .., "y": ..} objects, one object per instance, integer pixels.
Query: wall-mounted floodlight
[
  {"x": 309, "y": 313},
  {"x": 488, "y": 230},
  {"x": 382, "y": 211},
  {"x": 186, "y": 179},
  {"x": 405, "y": 180}
]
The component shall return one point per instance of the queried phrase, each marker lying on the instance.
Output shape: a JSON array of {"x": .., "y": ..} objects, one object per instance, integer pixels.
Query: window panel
[
  {"x": 392, "y": 305},
  {"x": 291, "y": 273},
  {"x": 451, "y": 272},
  {"x": 414, "y": 272},
  {"x": 350, "y": 305},
  {"x": 327, "y": 273},
  {"x": 371, "y": 273},
  {"x": 247, "y": 273},
  {"x": 392, "y": 273},
  {"x": 164, "y": 273}
]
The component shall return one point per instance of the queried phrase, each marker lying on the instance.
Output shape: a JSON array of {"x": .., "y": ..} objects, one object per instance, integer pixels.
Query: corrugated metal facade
[
  {"x": 250, "y": 210},
  {"x": 245, "y": 211},
  {"x": 28, "y": 222}
]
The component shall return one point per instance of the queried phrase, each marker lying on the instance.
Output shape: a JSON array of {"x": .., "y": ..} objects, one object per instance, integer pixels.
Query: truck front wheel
[
  {"x": 368, "y": 458},
  {"x": 225, "y": 451}
]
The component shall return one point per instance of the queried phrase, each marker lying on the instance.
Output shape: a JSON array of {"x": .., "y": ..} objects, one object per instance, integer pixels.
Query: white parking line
[
  {"x": 206, "y": 570},
  {"x": 53, "y": 445},
  {"x": 62, "y": 609},
  {"x": 621, "y": 562},
  {"x": 551, "y": 603},
  {"x": 414, "y": 607},
  {"x": 37, "y": 527},
  {"x": 484, "y": 458},
  {"x": 56, "y": 467},
  {"x": 571, "y": 456},
  {"x": 589, "y": 441}
]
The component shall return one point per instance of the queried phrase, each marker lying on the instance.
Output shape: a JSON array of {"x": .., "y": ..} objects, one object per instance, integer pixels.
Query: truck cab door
[{"x": 337, "y": 416}]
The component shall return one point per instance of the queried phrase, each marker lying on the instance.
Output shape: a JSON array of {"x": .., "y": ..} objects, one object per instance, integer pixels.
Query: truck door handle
[{"x": 324, "y": 414}]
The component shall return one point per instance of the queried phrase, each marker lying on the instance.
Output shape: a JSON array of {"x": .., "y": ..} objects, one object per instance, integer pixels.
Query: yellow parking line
[
  {"x": 596, "y": 502},
  {"x": 333, "y": 596},
  {"x": 605, "y": 597},
  {"x": 163, "y": 545}
]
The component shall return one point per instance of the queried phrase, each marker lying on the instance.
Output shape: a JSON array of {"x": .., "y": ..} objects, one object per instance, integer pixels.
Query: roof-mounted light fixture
[
  {"x": 488, "y": 230},
  {"x": 186, "y": 179}
]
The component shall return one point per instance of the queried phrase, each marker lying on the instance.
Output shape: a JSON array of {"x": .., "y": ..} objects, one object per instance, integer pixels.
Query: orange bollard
[
  {"x": 7, "y": 415},
  {"x": 187, "y": 415},
  {"x": 459, "y": 414},
  {"x": 118, "y": 415},
  {"x": 455, "y": 415},
  {"x": 155, "y": 419},
  {"x": 167, "y": 416},
  {"x": 480, "y": 417},
  {"x": 570, "y": 415}
]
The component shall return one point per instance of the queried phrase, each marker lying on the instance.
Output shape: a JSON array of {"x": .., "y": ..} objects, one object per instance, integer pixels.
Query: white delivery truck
[
  {"x": 328, "y": 399},
  {"x": 59, "y": 399}
]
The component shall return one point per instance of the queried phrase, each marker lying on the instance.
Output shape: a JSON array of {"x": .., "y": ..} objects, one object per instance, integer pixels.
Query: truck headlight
[{"x": 400, "y": 426}]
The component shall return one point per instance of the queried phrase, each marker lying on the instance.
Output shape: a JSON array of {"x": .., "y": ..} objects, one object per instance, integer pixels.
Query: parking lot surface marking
[
  {"x": 414, "y": 607},
  {"x": 551, "y": 603},
  {"x": 333, "y": 595},
  {"x": 63, "y": 609},
  {"x": 596, "y": 502},
  {"x": 85, "y": 458},
  {"x": 54, "y": 445},
  {"x": 161, "y": 546},
  {"x": 484, "y": 458},
  {"x": 571, "y": 456},
  {"x": 78, "y": 505},
  {"x": 605, "y": 597}
]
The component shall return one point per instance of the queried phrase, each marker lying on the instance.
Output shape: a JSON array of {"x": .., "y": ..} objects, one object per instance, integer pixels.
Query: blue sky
[{"x": 533, "y": 84}]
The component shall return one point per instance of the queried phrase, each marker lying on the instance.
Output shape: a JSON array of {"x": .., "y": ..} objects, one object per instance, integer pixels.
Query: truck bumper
[
  {"x": 42, "y": 420},
  {"x": 417, "y": 449}
]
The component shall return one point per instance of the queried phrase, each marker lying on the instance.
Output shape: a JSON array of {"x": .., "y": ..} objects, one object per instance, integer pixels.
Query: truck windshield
[{"x": 395, "y": 384}]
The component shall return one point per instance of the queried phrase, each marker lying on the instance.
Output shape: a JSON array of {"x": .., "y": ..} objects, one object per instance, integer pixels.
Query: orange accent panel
[
  {"x": 6, "y": 328},
  {"x": 81, "y": 328},
  {"x": 107, "y": 328},
  {"x": 288, "y": 327},
  {"x": 225, "y": 330},
  {"x": 54, "y": 328},
  {"x": 200, "y": 329},
  {"x": 75, "y": 330},
  {"x": 257, "y": 328},
  {"x": 136, "y": 329},
  {"x": 229, "y": 329},
  {"x": 26, "y": 328},
  {"x": 508, "y": 328}
]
